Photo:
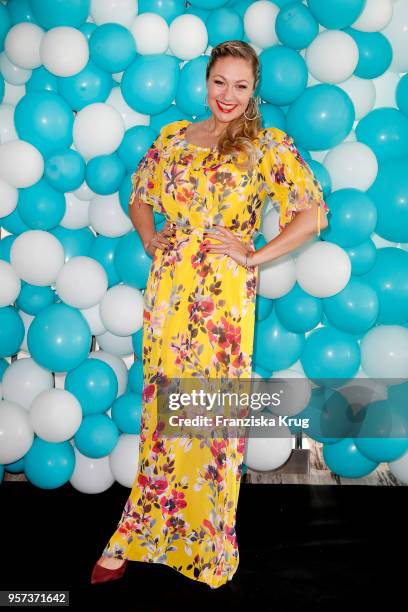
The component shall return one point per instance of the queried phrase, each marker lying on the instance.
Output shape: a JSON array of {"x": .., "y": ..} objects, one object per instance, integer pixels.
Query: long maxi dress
[{"x": 199, "y": 316}]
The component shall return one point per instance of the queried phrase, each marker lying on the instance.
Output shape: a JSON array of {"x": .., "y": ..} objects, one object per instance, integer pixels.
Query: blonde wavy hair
[{"x": 240, "y": 133}]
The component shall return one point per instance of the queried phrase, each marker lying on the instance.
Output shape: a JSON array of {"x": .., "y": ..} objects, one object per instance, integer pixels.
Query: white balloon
[
  {"x": 93, "y": 316},
  {"x": 16, "y": 433},
  {"x": 362, "y": 93},
  {"x": 399, "y": 468},
  {"x": 8, "y": 198},
  {"x": 12, "y": 74},
  {"x": 296, "y": 393},
  {"x": 13, "y": 94},
  {"x": 118, "y": 366},
  {"x": 124, "y": 459},
  {"x": 188, "y": 37},
  {"x": 130, "y": 117},
  {"x": 37, "y": 256},
  {"x": 277, "y": 277},
  {"x": 264, "y": 454},
  {"x": 385, "y": 89},
  {"x": 7, "y": 128},
  {"x": 259, "y": 23},
  {"x": 270, "y": 224},
  {"x": 323, "y": 270},
  {"x": 98, "y": 130},
  {"x": 121, "y": 346},
  {"x": 397, "y": 33},
  {"x": 84, "y": 192},
  {"x": 91, "y": 475},
  {"x": 82, "y": 282},
  {"x": 375, "y": 16},
  {"x": 23, "y": 380},
  {"x": 151, "y": 33},
  {"x": 121, "y": 310},
  {"x": 332, "y": 56},
  {"x": 108, "y": 217},
  {"x": 384, "y": 352},
  {"x": 10, "y": 284},
  {"x": 22, "y": 45},
  {"x": 55, "y": 415},
  {"x": 21, "y": 164},
  {"x": 381, "y": 242},
  {"x": 76, "y": 213},
  {"x": 351, "y": 165},
  {"x": 64, "y": 51},
  {"x": 114, "y": 11}
]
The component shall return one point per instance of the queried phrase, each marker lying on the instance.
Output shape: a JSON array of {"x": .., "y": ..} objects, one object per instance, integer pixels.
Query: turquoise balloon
[
  {"x": 344, "y": 459},
  {"x": 125, "y": 191},
  {"x": 33, "y": 298},
  {"x": 383, "y": 433},
  {"x": 5, "y": 246},
  {"x": 3, "y": 367},
  {"x": 354, "y": 309},
  {"x": 127, "y": 412},
  {"x": 385, "y": 131},
  {"x": 263, "y": 307},
  {"x": 353, "y": 217},
  {"x": 131, "y": 261},
  {"x": 41, "y": 206},
  {"x": 261, "y": 371},
  {"x": 89, "y": 86},
  {"x": 389, "y": 278},
  {"x": 389, "y": 193},
  {"x": 11, "y": 331},
  {"x": 97, "y": 436},
  {"x": 103, "y": 250},
  {"x": 328, "y": 414},
  {"x": 2, "y": 88},
  {"x": 94, "y": 384},
  {"x": 49, "y": 465},
  {"x": 298, "y": 311},
  {"x": 283, "y": 75},
  {"x": 172, "y": 113},
  {"x": 330, "y": 354},
  {"x": 60, "y": 12},
  {"x": 135, "y": 380},
  {"x": 42, "y": 80},
  {"x": 362, "y": 257},
  {"x": 88, "y": 29},
  {"x": 16, "y": 467},
  {"x": 45, "y": 120},
  {"x": 224, "y": 24},
  {"x": 134, "y": 145},
  {"x": 112, "y": 47},
  {"x": 19, "y": 11},
  {"x": 208, "y": 4},
  {"x": 59, "y": 338},
  {"x": 74, "y": 241},
  {"x": 65, "y": 170},
  {"x": 105, "y": 173},
  {"x": 191, "y": 88},
  {"x": 374, "y": 53},
  {"x": 13, "y": 223},
  {"x": 168, "y": 10},
  {"x": 273, "y": 116},
  {"x": 296, "y": 26},
  {"x": 5, "y": 25},
  {"x": 336, "y": 14},
  {"x": 149, "y": 85},
  {"x": 401, "y": 95},
  {"x": 276, "y": 348},
  {"x": 321, "y": 175},
  {"x": 241, "y": 6},
  {"x": 321, "y": 117},
  {"x": 137, "y": 343}
]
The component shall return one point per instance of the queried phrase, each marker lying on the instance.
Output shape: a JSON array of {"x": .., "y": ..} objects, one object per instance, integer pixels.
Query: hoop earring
[{"x": 256, "y": 108}]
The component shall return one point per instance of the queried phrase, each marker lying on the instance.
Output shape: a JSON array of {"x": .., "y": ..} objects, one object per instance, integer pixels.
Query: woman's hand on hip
[
  {"x": 159, "y": 240},
  {"x": 229, "y": 244}
]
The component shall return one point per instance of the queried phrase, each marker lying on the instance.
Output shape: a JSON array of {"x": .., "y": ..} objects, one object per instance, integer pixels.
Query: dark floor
[{"x": 300, "y": 546}]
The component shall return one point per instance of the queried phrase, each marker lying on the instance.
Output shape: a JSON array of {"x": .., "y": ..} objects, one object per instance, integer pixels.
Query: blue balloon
[
  {"x": 16, "y": 467},
  {"x": 127, "y": 412},
  {"x": 42, "y": 80},
  {"x": 105, "y": 174},
  {"x": 336, "y": 14},
  {"x": 322, "y": 175},
  {"x": 131, "y": 261},
  {"x": 45, "y": 120},
  {"x": 224, "y": 24},
  {"x": 41, "y": 206},
  {"x": 97, "y": 436},
  {"x": 261, "y": 371},
  {"x": 241, "y": 6},
  {"x": 344, "y": 459},
  {"x": 295, "y": 26},
  {"x": 263, "y": 307},
  {"x": 88, "y": 29},
  {"x": 283, "y": 75},
  {"x": 125, "y": 191},
  {"x": 19, "y": 11},
  {"x": 167, "y": 10},
  {"x": 276, "y": 348},
  {"x": 353, "y": 217},
  {"x": 298, "y": 311},
  {"x": 3, "y": 367},
  {"x": 74, "y": 241},
  {"x": 60, "y": 12},
  {"x": 354, "y": 309},
  {"x": 149, "y": 85},
  {"x": 5, "y": 25},
  {"x": 11, "y": 331},
  {"x": 94, "y": 384},
  {"x": 88, "y": 86},
  {"x": 2, "y": 88},
  {"x": 321, "y": 117},
  {"x": 190, "y": 95},
  {"x": 65, "y": 170},
  {"x": 389, "y": 193},
  {"x": 401, "y": 95},
  {"x": 385, "y": 131},
  {"x": 103, "y": 251},
  {"x": 134, "y": 145},
  {"x": 383, "y": 433},
  {"x": 330, "y": 354},
  {"x": 137, "y": 343},
  {"x": 13, "y": 223},
  {"x": 112, "y": 47},
  {"x": 5, "y": 246},
  {"x": 33, "y": 298},
  {"x": 362, "y": 257},
  {"x": 375, "y": 53},
  {"x": 49, "y": 465},
  {"x": 389, "y": 278},
  {"x": 135, "y": 380},
  {"x": 59, "y": 338},
  {"x": 273, "y": 116},
  {"x": 328, "y": 416}
]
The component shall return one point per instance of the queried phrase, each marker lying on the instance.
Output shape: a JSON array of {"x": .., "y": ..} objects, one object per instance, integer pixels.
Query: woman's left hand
[{"x": 228, "y": 244}]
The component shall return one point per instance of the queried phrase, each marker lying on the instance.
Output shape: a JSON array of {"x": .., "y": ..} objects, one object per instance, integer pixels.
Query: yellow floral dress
[{"x": 199, "y": 316}]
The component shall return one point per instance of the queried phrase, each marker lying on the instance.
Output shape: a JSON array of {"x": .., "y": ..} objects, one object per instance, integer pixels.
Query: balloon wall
[{"x": 85, "y": 86}]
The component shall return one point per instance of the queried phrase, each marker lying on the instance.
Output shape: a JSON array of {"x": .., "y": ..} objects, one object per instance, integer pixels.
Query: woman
[{"x": 200, "y": 309}]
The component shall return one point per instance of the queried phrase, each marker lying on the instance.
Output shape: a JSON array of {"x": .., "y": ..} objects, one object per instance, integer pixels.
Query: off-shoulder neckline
[{"x": 182, "y": 132}]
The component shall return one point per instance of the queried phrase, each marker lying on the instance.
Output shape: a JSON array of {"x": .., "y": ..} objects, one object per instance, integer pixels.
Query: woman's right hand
[{"x": 159, "y": 240}]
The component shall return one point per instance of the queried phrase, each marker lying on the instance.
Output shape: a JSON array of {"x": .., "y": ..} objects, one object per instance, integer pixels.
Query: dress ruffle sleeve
[{"x": 147, "y": 180}]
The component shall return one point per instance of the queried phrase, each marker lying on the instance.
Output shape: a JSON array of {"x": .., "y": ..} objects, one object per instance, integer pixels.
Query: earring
[{"x": 256, "y": 102}]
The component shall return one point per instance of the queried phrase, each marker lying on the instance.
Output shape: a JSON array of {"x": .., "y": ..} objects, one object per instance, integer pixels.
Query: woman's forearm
[{"x": 141, "y": 215}]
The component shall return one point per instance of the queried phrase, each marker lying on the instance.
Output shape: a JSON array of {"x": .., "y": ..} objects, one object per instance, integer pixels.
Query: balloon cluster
[{"x": 85, "y": 86}]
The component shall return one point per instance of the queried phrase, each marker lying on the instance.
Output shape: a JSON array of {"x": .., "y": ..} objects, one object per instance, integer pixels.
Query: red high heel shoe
[{"x": 103, "y": 574}]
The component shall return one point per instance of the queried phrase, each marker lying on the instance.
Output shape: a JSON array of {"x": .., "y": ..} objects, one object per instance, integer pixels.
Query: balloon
[
  {"x": 362, "y": 93},
  {"x": 11, "y": 331},
  {"x": 121, "y": 310},
  {"x": 90, "y": 85},
  {"x": 362, "y": 257},
  {"x": 322, "y": 176},
  {"x": 191, "y": 86},
  {"x": 385, "y": 131},
  {"x": 24, "y": 380},
  {"x": 264, "y": 454},
  {"x": 188, "y": 37},
  {"x": 353, "y": 217},
  {"x": 117, "y": 365},
  {"x": 344, "y": 459},
  {"x": 94, "y": 384},
  {"x": 91, "y": 475},
  {"x": 327, "y": 414},
  {"x": 64, "y": 51},
  {"x": 104, "y": 174},
  {"x": 22, "y": 45},
  {"x": 375, "y": 53},
  {"x": 354, "y": 309},
  {"x": 42, "y": 80},
  {"x": 20, "y": 10},
  {"x": 332, "y": 57},
  {"x": 127, "y": 412},
  {"x": 337, "y": 14},
  {"x": 276, "y": 348},
  {"x": 107, "y": 216},
  {"x": 298, "y": 311},
  {"x": 97, "y": 436},
  {"x": 259, "y": 23},
  {"x": 135, "y": 144},
  {"x": 21, "y": 164},
  {"x": 112, "y": 47},
  {"x": 10, "y": 284},
  {"x": 224, "y": 24},
  {"x": 7, "y": 128},
  {"x": 151, "y": 33},
  {"x": 103, "y": 250},
  {"x": 55, "y": 415},
  {"x": 98, "y": 130},
  {"x": 396, "y": 32},
  {"x": 375, "y": 16},
  {"x": 351, "y": 165},
  {"x": 390, "y": 194},
  {"x": 114, "y": 11},
  {"x": 295, "y": 26},
  {"x": 81, "y": 282},
  {"x": 384, "y": 351},
  {"x": 131, "y": 261},
  {"x": 15, "y": 431},
  {"x": 49, "y": 465},
  {"x": 4, "y": 25},
  {"x": 323, "y": 269},
  {"x": 32, "y": 299},
  {"x": 263, "y": 307},
  {"x": 284, "y": 75},
  {"x": 272, "y": 116},
  {"x": 40, "y": 206},
  {"x": 383, "y": 434},
  {"x": 276, "y": 278},
  {"x": 65, "y": 170},
  {"x": 60, "y": 12},
  {"x": 124, "y": 459},
  {"x": 402, "y": 95}
]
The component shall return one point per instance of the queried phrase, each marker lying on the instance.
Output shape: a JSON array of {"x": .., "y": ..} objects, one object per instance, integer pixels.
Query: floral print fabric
[{"x": 199, "y": 315}]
